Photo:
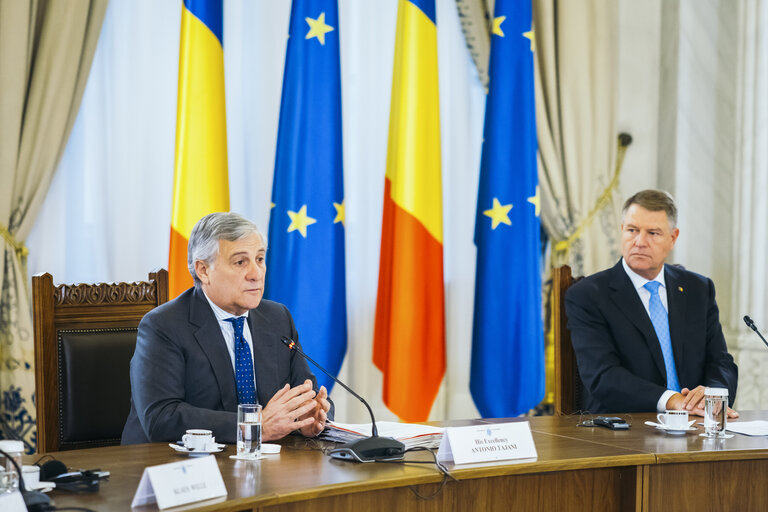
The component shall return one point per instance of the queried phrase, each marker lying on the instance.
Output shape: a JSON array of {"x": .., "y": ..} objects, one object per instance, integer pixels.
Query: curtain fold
[
  {"x": 46, "y": 49},
  {"x": 576, "y": 84},
  {"x": 749, "y": 292},
  {"x": 476, "y": 17}
]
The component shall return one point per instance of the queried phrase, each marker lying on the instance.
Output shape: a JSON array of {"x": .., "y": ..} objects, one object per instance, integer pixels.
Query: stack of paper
[
  {"x": 748, "y": 428},
  {"x": 411, "y": 435}
]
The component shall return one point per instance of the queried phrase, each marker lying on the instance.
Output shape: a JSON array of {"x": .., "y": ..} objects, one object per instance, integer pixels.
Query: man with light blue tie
[
  {"x": 218, "y": 345},
  {"x": 647, "y": 336}
]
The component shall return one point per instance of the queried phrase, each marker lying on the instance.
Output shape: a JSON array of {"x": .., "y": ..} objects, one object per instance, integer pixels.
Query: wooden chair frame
[
  {"x": 568, "y": 386},
  {"x": 101, "y": 306}
]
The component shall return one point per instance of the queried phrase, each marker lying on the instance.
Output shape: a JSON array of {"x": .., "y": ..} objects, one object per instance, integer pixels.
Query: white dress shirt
[
  {"x": 228, "y": 331},
  {"x": 645, "y": 296}
]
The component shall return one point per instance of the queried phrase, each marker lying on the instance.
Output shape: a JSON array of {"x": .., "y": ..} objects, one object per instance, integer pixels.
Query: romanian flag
[
  {"x": 305, "y": 261},
  {"x": 409, "y": 336},
  {"x": 507, "y": 374},
  {"x": 200, "y": 181}
]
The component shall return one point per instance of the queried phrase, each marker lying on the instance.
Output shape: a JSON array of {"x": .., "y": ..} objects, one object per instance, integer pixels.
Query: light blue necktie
[
  {"x": 660, "y": 322},
  {"x": 246, "y": 388}
]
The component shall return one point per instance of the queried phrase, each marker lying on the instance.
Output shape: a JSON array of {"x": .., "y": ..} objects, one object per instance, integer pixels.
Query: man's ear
[
  {"x": 201, "y": 269},
  {"x": 675, "y": 233}
]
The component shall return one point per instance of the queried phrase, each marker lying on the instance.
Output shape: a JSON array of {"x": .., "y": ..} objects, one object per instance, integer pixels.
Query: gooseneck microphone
[
  {"x": 752, "y": 326},
  {"x": 368, "y": 449}
]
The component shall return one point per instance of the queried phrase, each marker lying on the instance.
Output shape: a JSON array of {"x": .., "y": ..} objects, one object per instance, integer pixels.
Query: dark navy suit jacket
[
  {"x": 617, "y": 351},
  {"x": 182, "y": 375}
]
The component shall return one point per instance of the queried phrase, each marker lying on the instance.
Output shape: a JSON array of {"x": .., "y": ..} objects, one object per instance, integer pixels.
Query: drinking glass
[
  {"x": 715, "y": 411},
  {"x": 248, "y": 431}
]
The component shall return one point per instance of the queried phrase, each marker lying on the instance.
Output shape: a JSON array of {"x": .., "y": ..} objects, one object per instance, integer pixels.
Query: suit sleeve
[
  {"x": 159, "y": 385},
  {"x": 600, "y": 365},
  {"x": 720, "y": 369},
  {"x": 299, "y": 367}
]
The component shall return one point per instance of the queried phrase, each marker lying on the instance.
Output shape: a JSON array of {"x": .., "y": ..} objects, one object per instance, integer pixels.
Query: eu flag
[
  {"x": 507, "y": 375},
  {"x": 305, "y": 260}
]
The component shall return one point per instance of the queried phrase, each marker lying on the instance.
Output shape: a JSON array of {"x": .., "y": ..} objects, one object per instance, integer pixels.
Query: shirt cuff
[{"x": 661, "y": 405}]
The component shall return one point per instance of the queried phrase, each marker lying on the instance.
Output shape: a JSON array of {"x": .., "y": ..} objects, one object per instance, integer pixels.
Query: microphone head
[
  {"x": 749, "y": 322},
  {"x": 288, "y": 342}
]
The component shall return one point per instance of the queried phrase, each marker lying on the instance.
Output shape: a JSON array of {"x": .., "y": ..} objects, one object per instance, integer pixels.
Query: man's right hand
[
  {"x": 280, "y": 416},
  {"x": 682, "y": 401}
]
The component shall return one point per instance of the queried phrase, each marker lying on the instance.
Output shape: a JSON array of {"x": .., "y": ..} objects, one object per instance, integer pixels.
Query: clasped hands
[
  {"x": 692, "y": 400},
  {"x": 298, "y": 408}
]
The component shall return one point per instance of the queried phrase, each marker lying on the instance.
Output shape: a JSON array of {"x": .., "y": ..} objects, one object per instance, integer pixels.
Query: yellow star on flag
[
  {"x": 536, "y": 201},
  {"x": 300, "y": 221},
  {"x": 318, "y": 28},
  {"x": 497, "y": 21},
  {"x": 499, "y": 214},
  {"x": 339, "y": 213},
  {"x": 530, "y": 36}
]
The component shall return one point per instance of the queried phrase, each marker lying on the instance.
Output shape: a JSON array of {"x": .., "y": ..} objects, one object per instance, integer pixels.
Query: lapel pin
[{"x": 680, "y": 288}]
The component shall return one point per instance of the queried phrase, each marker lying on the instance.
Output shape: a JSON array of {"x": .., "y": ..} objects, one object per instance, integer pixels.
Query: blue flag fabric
[
  {"x": 507, "y": 374},
  {"x": 305, "y": 260}
]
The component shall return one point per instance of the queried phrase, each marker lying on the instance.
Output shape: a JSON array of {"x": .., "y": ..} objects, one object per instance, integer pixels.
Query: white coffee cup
[
  {"x": 674, "y": 420},
  {"x": 197, "y": 439},
  {"x": 31, "y": 475}
]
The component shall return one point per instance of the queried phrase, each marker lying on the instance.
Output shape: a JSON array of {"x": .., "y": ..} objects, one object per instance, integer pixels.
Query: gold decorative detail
[
  {"x": 19, "y": 247},
  {"x": 562, "y": 247}
]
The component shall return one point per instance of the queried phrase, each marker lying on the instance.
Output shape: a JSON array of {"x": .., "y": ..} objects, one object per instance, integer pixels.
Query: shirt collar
[
  {"x": 220, "y": 314},
  {"x": 639, "y": 281}
]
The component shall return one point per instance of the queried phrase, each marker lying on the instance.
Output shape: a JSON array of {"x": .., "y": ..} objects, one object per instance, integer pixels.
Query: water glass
[
  {"x": 248, "y": 431},
  {"x": 715, "y": 411},
  {"x": 9, "y": 477}
]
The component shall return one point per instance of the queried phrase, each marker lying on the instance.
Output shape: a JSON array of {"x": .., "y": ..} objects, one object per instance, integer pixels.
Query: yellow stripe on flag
[
  {"x": 413, "y": 156},
  {"x": 200, "y": 184}
]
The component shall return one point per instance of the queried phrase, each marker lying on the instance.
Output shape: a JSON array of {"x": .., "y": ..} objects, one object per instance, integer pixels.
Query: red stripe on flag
[{"x": 409, "y": 335}]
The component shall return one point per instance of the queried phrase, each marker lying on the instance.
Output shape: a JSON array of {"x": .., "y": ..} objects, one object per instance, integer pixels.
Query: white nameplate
[
  {"x": 179, "y": 483},
  {"x": 12, "y": 502},
  {"x": 483, "y": 443}
]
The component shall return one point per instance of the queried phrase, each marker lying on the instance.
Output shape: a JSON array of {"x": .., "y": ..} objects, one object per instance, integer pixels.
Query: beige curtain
[
  {"x": 576, "y": 81},
  {"x": 46, "y": 49},
  {"x": 476, "y": 17}
]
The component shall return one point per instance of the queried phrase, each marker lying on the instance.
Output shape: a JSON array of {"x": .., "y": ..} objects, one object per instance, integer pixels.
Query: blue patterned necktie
[
  {"x": 246, "y": 388},
  {"x": 660, "y": 322}
]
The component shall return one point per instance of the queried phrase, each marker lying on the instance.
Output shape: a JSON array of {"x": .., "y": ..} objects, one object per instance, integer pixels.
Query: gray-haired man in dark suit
[{"x": 183, "y": 372}]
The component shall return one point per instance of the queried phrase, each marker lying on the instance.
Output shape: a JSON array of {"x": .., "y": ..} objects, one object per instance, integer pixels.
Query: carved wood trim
[{"x": 140, "y": 292}]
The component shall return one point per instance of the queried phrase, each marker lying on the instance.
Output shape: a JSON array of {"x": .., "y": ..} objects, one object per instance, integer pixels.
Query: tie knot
[
  {"x": 237, "y": 322},
  {"x": 652, "y": 286}
]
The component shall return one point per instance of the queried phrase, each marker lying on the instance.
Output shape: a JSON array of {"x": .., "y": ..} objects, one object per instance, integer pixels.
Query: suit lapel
[
  {"x": 676, "y": 306},
  {"x": 265, "y": 346},
  {"x": 211, "y": 341},
  {"x": 628, "y": 301}
]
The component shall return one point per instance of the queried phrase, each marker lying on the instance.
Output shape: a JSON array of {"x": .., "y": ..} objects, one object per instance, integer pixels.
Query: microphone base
[{"x": 370, "y": 449}]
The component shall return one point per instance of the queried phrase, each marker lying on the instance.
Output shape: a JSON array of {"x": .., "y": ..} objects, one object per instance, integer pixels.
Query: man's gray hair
[
  {"x": 204, "y": 239},
  {"x": 654, "y": 201}
]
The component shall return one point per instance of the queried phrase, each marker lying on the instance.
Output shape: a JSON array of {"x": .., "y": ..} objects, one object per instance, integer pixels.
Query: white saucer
[
  {"x": 266, "y": 449},
  {"x": 673, "y": 431},
  {"x": 183, "y": 449},
  {"x": 270, "y": 448},
  {"x": 41, "y": 486}
]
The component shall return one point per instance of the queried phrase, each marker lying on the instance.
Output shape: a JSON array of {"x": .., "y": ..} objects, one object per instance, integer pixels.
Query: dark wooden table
[{"x": 577, "y": 469}]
